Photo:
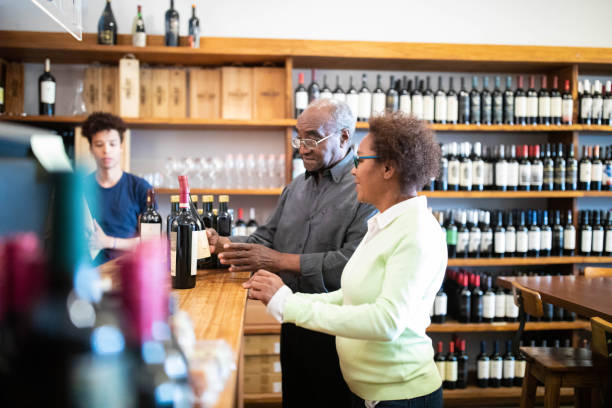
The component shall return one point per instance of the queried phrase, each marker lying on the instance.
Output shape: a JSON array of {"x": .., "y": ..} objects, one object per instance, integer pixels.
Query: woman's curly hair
[{"x": 410, "y": 144}]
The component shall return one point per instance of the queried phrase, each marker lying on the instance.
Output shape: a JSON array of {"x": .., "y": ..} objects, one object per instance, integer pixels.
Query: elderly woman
[{"x": 380, "y": 313}]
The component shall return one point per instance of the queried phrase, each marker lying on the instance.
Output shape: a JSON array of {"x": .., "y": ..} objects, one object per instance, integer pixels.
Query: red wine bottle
[
  {"x": 451, "y": 368},
  {"x": 107, "y": 26},
  {"x": 46, "y": 91},
  {"x": 567, "y": 105},
  {"x": 482, "y": 366},
  {"x": 520, "y": 104},
  {"x": 440, "y": 360},
  {"x": 532, "y": 102},
  {"x": 314, "y": 92},
  {"x": 301, "y": 96},
  {"x": 508, "y": 365},
  {"x": 184, "y": 242},
  {"x": 462, "y": 366},
  {"x": 544, "y": 103},
  {"x": 252, "y": 224},
  {"x": 496, "y": 367},
  {"x": 240, "y": 224},
  {"x": 150, "y": 222},
  {"x": 172, "y": 26}
]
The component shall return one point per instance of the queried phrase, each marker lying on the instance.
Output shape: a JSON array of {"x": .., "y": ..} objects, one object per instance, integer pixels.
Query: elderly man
[{"x": 307, "y": 241}]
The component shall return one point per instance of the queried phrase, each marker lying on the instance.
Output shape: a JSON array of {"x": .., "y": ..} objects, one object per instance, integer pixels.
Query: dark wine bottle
[
  {"x": 194, "y": 28},
  {"x": 392, "y": 97},
  {"x": 500, "y": 305},
  {"x": 107, "y": 26},
  {"x": 174, "y": 209},
  {"x": 488, "y": 302},
  {"x": 46, "y": 91},
  {"x": 508, "y": 366},
  {"x": 465, "y": 303},
  {"x": 513, "y": 178},
  {"x": 475, "y": 237},
  {"x": 482, "y": 366},
  {"x": 586, "y": 104},
  {"x": 596, "y": 170},
  {"x": 569, "y": 236},
  {"x": 326, "y": 92},
  {"x": 487, "y": 103},
  {"x": 512, "y": 310},
  {"x": 537, "y": 168},
  {"x": 451, "y": 369},
  {"x": 486, "y": 241},
  {"x": 499, "y": 237},
  {"x": 475, "y": 103},
  {"x": 544, "y": 102},
  {"x": 501, "y": 170},
  {"x": 520, "y": 103},
  {"x": 454, "y": 167},
  {"x": 339, "y": 94},
  {"x": 405, "y": 98},
  {"x": 597, "y": 107},
  {"x": 608, "y": 235},
  {"x": 597, "y": 247},
  {"x": 464, "y": 104},
  {"x": 477, "y": 302},
  {"x": 560, "y": 166},
  {"x": 567, "y": 105},
  {"x": 557, "y": 235},
  {"x": 532, "y": 102},
  {"x": 240, "y": 226},
  {"x": 463, "y": 236},
  {"x": 571, "y": 170},
  {"x": 556, "y": 103},
  {"x": 252, "y": 224},
  {"x": 498, "y": 103},
  {"x": 428, "y": 102},
  {"x": 462, "y": 366},
  {"x": 314, "y": 92},
  {"x": 184, "y": 234},
  {"x": 378, "y": 98},
  {"x": 534, "y": 236},
  {"x": 440, "y": 99},
  {"x": 365, "y": 101},
  {"x": 510, "y": 235},
  {"x": 509, "y": 103},
  {"x": 478, "y": 168},
  {"x": 452, "y": 104},
  {"x": 224, "y": 220},
  {"x": 548, "y": 180},
  {"x": 519, "y": 367},
  {"x": 442, "y": 179},
  {"x": 440, "y": 360},
  {"x": 139, "y": 34},
  {"x": 465, "y": 168},
  {"x": 546, "y": 236},
  {"x": 524, "y": 169},
  {"x": 451, "y": 236},
  {"x": 301, "y": 96},
  {"x": 172, "y": 26},
  {"x": 150, "y": 222},
  {"x": 496, "y": 367},
  {"x": 586, "y": 234},
  {"x": 352, "y": 98},
  {"x": 522, "y": 236}
]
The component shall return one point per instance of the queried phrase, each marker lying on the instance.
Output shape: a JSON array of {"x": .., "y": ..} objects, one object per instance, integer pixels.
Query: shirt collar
[
  {"x": 338, "y": 170},
  {"x": 381, "y": 220}
]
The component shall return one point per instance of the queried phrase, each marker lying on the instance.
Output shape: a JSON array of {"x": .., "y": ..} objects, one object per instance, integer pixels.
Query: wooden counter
[{"x": 216, "y": 306}]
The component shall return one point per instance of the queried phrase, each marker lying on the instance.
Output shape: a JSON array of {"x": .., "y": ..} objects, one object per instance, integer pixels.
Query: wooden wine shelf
[
  {"x": 470, "y": 396},
  {"x": 515, "y": 194},
  {"x": 244, "y": 192},
  {"x": 548, "y": 260},
  {"x": 451, "y": 326}
]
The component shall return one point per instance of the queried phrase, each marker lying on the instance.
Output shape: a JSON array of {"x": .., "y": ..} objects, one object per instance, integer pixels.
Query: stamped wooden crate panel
[
  {"x": 261, "y": 344},
  {"x": 177, "y": 93},
  {"x": 92, "y": 88},
  {"x": 146, "y": 92},
  {"x": 13, "y": 92},
  {"x": 205, "y": 93},
  {"x": 129, "y": 88},
  {"x": 161, "y": 83},
  {"x": 263, "y": 383},
  {"x": 110, "y": 90},
  {"x": 269, "y": 93},
  {"x": 236, "y": 93}
]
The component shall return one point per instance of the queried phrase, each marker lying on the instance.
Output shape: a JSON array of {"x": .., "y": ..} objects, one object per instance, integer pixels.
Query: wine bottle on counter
[
  {"x": 184, "y": 242},
  {"x": 107, "y": 26},
  {"x": 224, "y": 220},
  {"x": 174, "y": 209},
  {"x": 172, "y": 26},
  {"x": 482, "y": 366},
  {"x": 139, "y": 34},
  {"x": 194, "y": 28},
  {"x": 46, "y": 91},
  {"x": 301, "y": 96},
  {"x": 150, "y": 222},
  {"x": 496, "y": 367}
]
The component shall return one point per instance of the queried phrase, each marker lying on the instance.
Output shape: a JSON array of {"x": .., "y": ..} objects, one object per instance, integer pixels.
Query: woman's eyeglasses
[{"x": 357, "y": 159}]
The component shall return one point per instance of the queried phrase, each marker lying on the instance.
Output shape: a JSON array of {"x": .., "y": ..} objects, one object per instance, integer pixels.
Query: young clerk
[{"x": 117, "y": 197}]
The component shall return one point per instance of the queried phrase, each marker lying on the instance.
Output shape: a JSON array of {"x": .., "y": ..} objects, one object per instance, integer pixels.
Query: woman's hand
[{"x": 263, "y": 285}]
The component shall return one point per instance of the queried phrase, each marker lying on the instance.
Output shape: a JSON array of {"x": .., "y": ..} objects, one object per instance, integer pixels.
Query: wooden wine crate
[
  {"x": 13, "y": 92},
  {"x": 92, "y": 88},
  {"x": 161, "y": 83},
  {"x": 85, "y": 161},
  {"x": 110, "y": 90},
  {"x": 205, "y": 93},
  {"x": 178, "y": 93},
  {"x": 236, "y": 93},
  {"x": 146, "y": 93},
  {"x": 263, "y": 383},
  {"x": 129, "y": 87},
  {"x": 268, "y": 93}
]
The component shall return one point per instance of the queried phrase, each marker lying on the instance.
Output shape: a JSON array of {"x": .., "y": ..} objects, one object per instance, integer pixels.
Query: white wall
[{"x": 539, "y": 22}]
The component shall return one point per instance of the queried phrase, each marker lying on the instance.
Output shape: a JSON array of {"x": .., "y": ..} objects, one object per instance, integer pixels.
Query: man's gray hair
[{"x": 339, "y": 112}]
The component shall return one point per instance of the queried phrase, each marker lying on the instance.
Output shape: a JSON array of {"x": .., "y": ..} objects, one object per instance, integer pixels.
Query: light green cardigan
[{"x": 380, "y": 314}]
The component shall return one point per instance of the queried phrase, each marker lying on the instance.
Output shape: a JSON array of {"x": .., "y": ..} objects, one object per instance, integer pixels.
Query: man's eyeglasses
[
  {"x": 307, "y": 143},
  {"x": 357, "y": 159}
]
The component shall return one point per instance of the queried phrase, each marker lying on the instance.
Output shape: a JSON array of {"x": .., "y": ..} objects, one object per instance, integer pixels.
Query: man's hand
[
  {"x": 98, "y": 239},
  {"x": 263, "y": 285},
  {"x": 215, "y": 241},
  {"x": 250, "y": 257}
]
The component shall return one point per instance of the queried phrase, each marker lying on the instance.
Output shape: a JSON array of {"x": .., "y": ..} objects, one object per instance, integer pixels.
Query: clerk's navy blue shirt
[{"x": 116, "y": 209}]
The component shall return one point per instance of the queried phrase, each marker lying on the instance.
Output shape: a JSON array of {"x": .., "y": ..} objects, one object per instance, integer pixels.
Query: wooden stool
[
  {"x": 552, "y": 367},
  {"x": 602, "y": 354}
]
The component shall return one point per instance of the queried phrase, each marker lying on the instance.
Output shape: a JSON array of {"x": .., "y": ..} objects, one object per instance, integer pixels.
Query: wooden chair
[
  {"x": 593, "y": 272},
  {"x": 554, "y": 368},
  {"x": 602, "y": 353}
]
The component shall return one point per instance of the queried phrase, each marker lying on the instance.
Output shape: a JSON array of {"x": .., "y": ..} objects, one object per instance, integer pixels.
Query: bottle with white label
[
  {"x": 486, "y": 100},
  {"x": 378, "y": 98},
  {"x": 544, "y": 103},
  {"x": 519, "y": 367},
  {"x": 440, "y": 360},
  {"x": 252, "y": 225},
  {"x": 452, "y": 104},
  {"x": 451, "y": 368},
  {"x": 608, "y": 235},
  {"x": 184, "y": 233},
  {"x": 486, "y": 240},
  {"x": 537, "y": 168},
  {"x": 495, "y": 367},
  {"x": 567, "y": 105},
  {"x": 545, "y": 235},
  {"x": 586, "y": 103},
  {"x": 339, "y": 94},
  {"x": 597, "y": 247},
  {"x": 532, "y": 102},
  {"x": 463, "y": 236},
  {"x": 454, "y": 168},
  {"x": 428, "y": 103},
  {"x": 139, "y": 34},
  {"x": 607, "y": 105},
  {"x": 488, "y": 302},
  {"x": 482, "y": 366},
  {"x": 499, "y": 237},
  {"x": 405, "y": 105},
  {"x": 326, "y": 93},
  {"x": 462, "y": 366},
  {"x": 301, "y": 96},
  {"x": 46, "y": 91},
  {"x": 513, "y": 173},
  {"x": 440, "y": 306},
  {"x": 365, "y": 100},
  {"x": 512, "y": 310},
  {"x": 475, "y": 238},
  {"x": 522, "y": 236},
  {"x": 500, "y": 305},
  {"x": 569, "y": 236},
  {"x": 392, "y": 97},
  {"x": 478, "y": 167},
  {"x": 524, "y": 169},
  {"x": 555, "y": 103},
  {"x": 149, "y": 221},
  {"x": 417, "y": 99},
  {"x": 497, "y": 98},
  {"x": 501, "y": 170},
  {"x": 596, "y": 170},
  {"x": 508, "y": 366},
  {"x": 440, "y": 111},
  {"x": 520, "y": 104},
  {"x": 586, "y": 234},
  {"x": 585, "y": 169},
  {"x": 475, "y": 103},
  {"x": 510, "y": 236},
  {"x": 352, "y": 98},
  {"x": 534, "y": 235},
  {"x": 465, "y": 168},
  {"x": 597, "y": 106}
]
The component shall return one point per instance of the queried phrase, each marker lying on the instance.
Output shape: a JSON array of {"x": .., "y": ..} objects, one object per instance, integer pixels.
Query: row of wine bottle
[
  {"x": 519, "y": 233},
  {"x": 107, "y": 27},
  {"x": 463, "y": 166},
  {"x": 595, "y": 103},
  {"x": 486, "y": 106}
]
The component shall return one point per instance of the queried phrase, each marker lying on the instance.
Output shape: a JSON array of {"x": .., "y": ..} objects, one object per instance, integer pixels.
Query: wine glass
[
  {"x": 229, "y": 165},
  {"x": 251, "y": 171},
  {"x": 169, "y": 166},
  {"x": 239, "y": 176}
]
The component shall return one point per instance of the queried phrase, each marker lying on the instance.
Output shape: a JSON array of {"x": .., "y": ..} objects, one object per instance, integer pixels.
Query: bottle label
[
  {"x": 451, "y": 237},
  {"x": 509, "y": 369},
  {"x": 417, "y": 106},
  {"x": 532, "y": 106},
  {"x": 451, "y": 371},
  {"x": 500, "y": 305},
  {"x": 555, "y": 107},
  {"x": 567, "y": 109},
  {"x": 173, "y": 253},
  {"x": 1, "y": 95},
  {"x": 544, "y": 106},
  {"x": 534, "y": 238},
  {"x": 440, "y": 306},
  {"x": 569, "y": 239},
  {"x": 546, "y": 240},
  {"x": 571, "y": 173},
  {"x": 586, "y": 240},
  {"x": 607, "y": 109},
  {"x": 585, "y": 172},
  {"x": 431, "y": 311},
  {"x": 548, "y": 174},
  {"x": 474, "y": 244},
  {"x": 513, "y": 174},
  {"x": 560, "y": 175},
  {"x": 453, "y": 172},
  {"x": 203, "y": 250},
  {"x": 509, "y": 108},
  {"x": 501, "y": 174},
  {"x": 478, "y": 178},
  {"x": 500, "y": 242},
  {"x": 488, "y": 173},
  {"x": 597, "y": 109},
  {"x": 441, "y": 365},
  {"x": 586, "y": 107},
  {"x": 512, "y": 310},
  {"x": 598, "y": 241},
  {"x": 606, "y": 178},
  {"x": 525, "y": 174},
  {"x": 483, "y": 367},
  {"x": 488, "y": 305},
  {"x": 251, "y": 230},
  {"x": 365, "y": 105},
  {"x": 462, "y": 242},
  {"x": 378, "y": 104},
  {"x": 106, "y": 37},
  {"x": 139, "y": 39},
  {"x": 537, "y": 174},
  {"x": 452, "y": 109},
  {"x": 440, "y": 110},
  {"x": 465, "y": 174},
  {"x": 609, "y": 240},
  {"x": 47, "y": 92},
  {"x": 428, "y": 107},
  {"x": 495, "y": 369},
  {"x": 352, "y": 100},
  {"x": 510, "y": 242},
  {"x": 149, "y": 231},
  {"x": 486, "y": 109},
  {"x": 519, "y": 368},
  {"x": 301, "y": 100},
  {"x": 404, "y": 104},
  {"x": 475, "y": 108},
  {"x": 597, "y": 172},
  {"x": 240, "y": 230},
  {"x": 520, "y": 106},
  {"x": 339, "y": 97},
  {"x": 498, "y": 109},
  {"x": 326, "y": 95},
  {"x": 486, "y": 241},
  {"x": 194, "y": 252},
  {"x": 522, "y": 242}
]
